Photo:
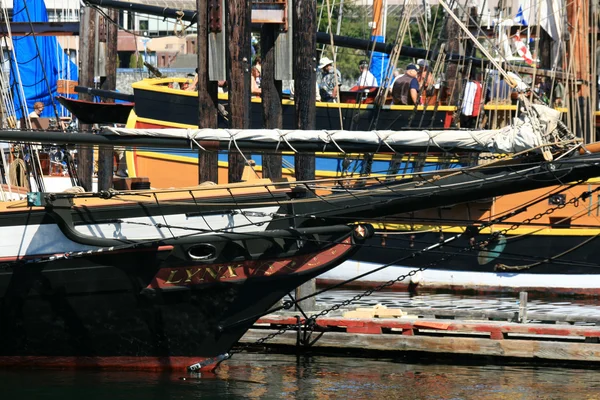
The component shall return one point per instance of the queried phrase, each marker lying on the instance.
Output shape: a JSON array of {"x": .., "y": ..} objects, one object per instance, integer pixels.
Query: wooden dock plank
[
  {"x": 516, "y": 348},
  {"x": 491, "y": 327}
]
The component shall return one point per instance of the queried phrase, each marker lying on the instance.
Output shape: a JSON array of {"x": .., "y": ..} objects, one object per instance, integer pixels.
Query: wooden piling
[
  {"x": 238, "y": 77},
  {"x": 87, "y": 50},
  {"x": 305, "y": 80},
  {"x": 522, "y": 307},
  {"x": 208, "y": 163},
  {"x": 106, "y": 153},
  {"x": 271, "y": 97}
]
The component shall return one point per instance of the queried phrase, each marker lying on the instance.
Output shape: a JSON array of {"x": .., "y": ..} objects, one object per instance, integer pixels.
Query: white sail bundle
[{"x": 523, "y": 135}]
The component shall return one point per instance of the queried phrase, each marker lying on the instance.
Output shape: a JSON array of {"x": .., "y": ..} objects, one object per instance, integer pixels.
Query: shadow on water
[{"x": 275, "y": 376}]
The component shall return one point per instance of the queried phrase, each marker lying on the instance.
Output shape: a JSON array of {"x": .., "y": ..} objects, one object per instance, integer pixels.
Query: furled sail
[{"x": 532, "y": 133}]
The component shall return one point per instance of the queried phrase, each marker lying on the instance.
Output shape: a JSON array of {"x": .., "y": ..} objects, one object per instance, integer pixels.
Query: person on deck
[
  {"x": 425, "y": 78},
  {"x": 38, "y": 107},
  {"x": 559, "y": 94},
  {"x": 398, "y": 72},
  {"x": 255, "y": 81},
  {"x": 329, "y": 80},
  {"x": 500, "y": 92},
  {"x": 406, "y": 87},
  {"x": 194, "y": 85},
  {"x": 366, "y": 78}
]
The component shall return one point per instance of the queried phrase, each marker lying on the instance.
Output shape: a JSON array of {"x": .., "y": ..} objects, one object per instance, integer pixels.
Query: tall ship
[
  {"x": 530, "y": 45},
  {"x": 172, "y": 277}
]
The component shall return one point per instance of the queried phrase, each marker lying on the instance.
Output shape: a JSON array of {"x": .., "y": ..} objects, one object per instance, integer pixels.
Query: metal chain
[
  {"x": 575, "y": 201},
  {"x": 311, "y": 322}
]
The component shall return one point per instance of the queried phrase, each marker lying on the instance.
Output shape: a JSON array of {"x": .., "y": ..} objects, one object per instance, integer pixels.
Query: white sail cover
[{"x": 521, "y": 136}]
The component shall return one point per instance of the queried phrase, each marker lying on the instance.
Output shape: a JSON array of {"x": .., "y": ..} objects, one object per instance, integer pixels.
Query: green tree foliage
[
  {"x": 424, "y": 30},
  {"x": 136, "y": 62}
]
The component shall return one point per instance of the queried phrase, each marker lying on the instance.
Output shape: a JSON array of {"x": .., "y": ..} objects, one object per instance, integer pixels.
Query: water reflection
[
  {"x": 267, "y": 376},
  {"x": 587, "y": 307}
]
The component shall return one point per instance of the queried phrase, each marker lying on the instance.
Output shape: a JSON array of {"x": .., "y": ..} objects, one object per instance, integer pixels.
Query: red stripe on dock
[{"x": 496, "y": 329}]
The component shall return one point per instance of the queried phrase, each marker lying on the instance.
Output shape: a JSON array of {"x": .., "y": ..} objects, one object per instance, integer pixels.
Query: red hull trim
[{"x": 105, "y": 363}]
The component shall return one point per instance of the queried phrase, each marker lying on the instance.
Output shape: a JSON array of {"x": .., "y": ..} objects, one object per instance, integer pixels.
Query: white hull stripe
[
  {"x": 31, "y": 240},
  {"x": 442, "y": 278}
]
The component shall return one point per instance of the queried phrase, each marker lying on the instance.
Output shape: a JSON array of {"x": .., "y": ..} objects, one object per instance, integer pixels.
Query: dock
[{"x": 504, "y": 336}]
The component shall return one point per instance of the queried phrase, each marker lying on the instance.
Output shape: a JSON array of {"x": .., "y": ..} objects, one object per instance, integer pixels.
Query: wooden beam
[
  {"x": 106, "y": 153},
  {"x": 271, "y": 98},
  {"x": 305, "y": 80},
  {"x": 87, "y": 46},
  {"x": 208, "y": 162},
  {"x": 238, "y": 67},
  {"x": 42, "y": 29},
  {"x": 486, "y": 344}
]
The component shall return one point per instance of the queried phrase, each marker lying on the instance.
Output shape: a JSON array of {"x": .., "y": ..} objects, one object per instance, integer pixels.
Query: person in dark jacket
[{"x": 406, "y": 87}]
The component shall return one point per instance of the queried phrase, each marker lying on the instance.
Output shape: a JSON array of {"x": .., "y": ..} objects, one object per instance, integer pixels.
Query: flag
[
  {"x": 523, "y": 50},
  {"x": 520, "y": 18}
]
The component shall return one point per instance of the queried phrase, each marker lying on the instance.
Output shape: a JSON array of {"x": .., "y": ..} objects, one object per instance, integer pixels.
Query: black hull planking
[
  {"x": 580, "y": 255},
  {"x": 151, "y": 305},
  {"x": 183, "y": 109},
  {"x": 88, "y": 112}
]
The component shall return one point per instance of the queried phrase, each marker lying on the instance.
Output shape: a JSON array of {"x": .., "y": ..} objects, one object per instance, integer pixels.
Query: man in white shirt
[
  {"x": 365, "y": 78},
  {"x": 395, "y": 75}
]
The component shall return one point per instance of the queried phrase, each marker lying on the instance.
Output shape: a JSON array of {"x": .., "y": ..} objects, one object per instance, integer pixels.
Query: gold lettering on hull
[
  {"x": 170, "y": 280},
  {"x": 231, "y": 271},
  {"x": 191, "y": 274},
  {"x": 202, "y": 274},
  {"x": 246, "y": 269}
]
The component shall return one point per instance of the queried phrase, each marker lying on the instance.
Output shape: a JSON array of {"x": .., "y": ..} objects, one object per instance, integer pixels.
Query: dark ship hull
[
  {"x": 159, "y": 279},
  {"x": 157, "y": 105},
  {"x": 88, "y": 112}
]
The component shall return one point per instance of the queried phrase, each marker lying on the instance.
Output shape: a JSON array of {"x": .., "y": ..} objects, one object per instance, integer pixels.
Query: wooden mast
[
  {"x": 208, "y": 162},
  {"x": 238, "y": 76},
  {"x": 106, "y": 153},
  {"x": 271, "y": 97},
  {"x": 578, "y": 52},
  {"x": 87, "y": 46},
  {"x": 305, "y": 80}
]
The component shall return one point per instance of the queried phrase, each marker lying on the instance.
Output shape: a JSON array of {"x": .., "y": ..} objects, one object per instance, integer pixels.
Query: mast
[
  {"x": 578, "y": 54},
  {"x": 379, "y": 60},
  {"x": 207, "y": 90},
  {"x": 87, "y": 45}
]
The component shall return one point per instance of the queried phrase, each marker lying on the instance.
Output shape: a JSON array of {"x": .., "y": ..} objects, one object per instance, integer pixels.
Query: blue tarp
[
  {"x": 379, "y": 62},
  {"x": 30, "y": 68}
]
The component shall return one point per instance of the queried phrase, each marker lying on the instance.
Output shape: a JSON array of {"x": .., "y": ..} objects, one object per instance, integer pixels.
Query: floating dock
[{"x": 556, "y": 338}]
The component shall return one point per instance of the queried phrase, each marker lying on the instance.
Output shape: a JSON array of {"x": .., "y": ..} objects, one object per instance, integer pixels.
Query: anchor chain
[
  {"x": 575, "y": 201},
  {"x": 310, "y": 323}
]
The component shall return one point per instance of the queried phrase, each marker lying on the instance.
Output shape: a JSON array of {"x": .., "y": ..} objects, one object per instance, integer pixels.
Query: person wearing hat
[
  {"x": 366, "y": 78},
  {"x": 329, "y": 80},
  {"x": 406, "y": 87},
  {"x": 425, "y": 78}
]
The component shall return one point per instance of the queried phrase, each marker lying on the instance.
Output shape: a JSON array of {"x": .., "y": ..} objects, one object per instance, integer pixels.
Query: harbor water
[
  {"x": 509, "y": 303},
  {"x": 272, "y": 376},
  {"x": 284, "y": 376}
]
